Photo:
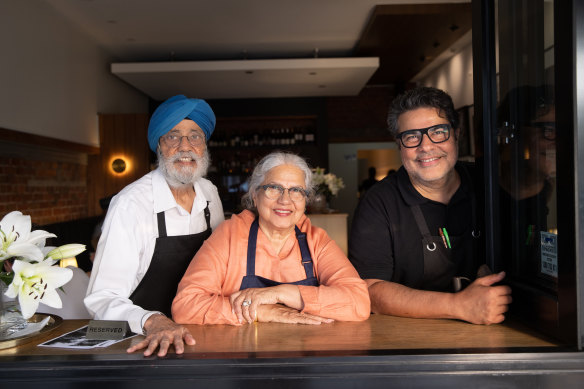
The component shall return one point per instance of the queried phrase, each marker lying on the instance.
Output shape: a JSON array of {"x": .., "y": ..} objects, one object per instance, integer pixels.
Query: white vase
[{"x": 11, "y": 319}]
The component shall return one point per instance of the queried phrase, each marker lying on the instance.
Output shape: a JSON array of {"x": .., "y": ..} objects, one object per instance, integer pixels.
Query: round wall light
[{"x": 119, "y": 165}]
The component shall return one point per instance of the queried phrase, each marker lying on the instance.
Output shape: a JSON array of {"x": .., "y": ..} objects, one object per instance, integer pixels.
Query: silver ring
[{"x": 246, "y": 303}]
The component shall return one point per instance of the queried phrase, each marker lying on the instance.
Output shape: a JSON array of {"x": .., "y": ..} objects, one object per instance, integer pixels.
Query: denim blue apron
[{"x": 253, "y": 281}]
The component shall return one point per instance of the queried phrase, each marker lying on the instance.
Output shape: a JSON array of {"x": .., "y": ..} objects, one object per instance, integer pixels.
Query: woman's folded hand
[{"x": 244, "y": 303}]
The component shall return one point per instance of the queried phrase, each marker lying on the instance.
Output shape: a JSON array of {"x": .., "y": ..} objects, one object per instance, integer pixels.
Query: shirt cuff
[
  {"x": 309, "y": 296},
  {"x": 145, "y": 318}
]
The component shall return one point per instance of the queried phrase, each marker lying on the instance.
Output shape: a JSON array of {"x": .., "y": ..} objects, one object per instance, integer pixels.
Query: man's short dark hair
[{"x": 421, "y": 97}]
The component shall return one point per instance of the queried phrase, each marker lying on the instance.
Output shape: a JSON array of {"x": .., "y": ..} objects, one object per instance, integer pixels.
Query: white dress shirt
[{"x": 128, "y": 238}]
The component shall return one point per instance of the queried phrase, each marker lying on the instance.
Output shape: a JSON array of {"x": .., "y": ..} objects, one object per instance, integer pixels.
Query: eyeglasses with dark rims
[
  {"x": 548, "y": 129},
  {"x": 172, "y": 140},
  {"x": 274, "y": 192},
  {"x": 437, "y": 134}
]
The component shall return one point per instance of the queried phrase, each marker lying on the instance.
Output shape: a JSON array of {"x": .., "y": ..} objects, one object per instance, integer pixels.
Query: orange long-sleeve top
[{"x": 219, "y": 266}]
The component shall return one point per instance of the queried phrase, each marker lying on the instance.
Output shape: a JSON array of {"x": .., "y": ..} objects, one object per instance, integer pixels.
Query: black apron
[
  {"x": 447, "y": 269},
  {"x": 170, "y": 260},
  {"x": 253, "y": 281}
]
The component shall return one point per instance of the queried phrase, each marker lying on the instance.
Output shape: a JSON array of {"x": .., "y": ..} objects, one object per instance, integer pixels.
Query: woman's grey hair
[
  {"x": 421, "y": 97},
  {"x": 269, "y": 162}
]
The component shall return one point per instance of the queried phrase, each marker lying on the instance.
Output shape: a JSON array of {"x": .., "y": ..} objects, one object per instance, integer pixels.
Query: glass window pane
[{"x": 526, "y": 138}]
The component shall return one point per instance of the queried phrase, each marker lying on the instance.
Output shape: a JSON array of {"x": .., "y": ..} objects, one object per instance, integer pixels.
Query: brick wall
[{"x": 50, "y": 186}]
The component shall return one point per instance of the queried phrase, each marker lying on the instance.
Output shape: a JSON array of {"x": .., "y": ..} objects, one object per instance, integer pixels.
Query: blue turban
[{"x": 177, "y": 108}]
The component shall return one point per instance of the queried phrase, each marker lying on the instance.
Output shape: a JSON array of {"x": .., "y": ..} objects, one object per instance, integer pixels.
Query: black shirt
[{"x": 385, "y": 242}]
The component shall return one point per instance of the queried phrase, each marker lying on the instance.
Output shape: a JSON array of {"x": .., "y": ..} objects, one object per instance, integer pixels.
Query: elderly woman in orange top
[{"x": 269, "y": 263}]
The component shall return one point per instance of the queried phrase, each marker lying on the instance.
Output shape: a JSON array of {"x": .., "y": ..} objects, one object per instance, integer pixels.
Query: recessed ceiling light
[{"x": 312, "y": 73}]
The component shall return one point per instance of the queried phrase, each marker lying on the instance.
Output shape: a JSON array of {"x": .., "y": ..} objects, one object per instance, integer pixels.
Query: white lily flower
[
  {"x": 34, "y": 283},
  {"x": 65, "y": 251},
  {"x": 17, "y": 241}
]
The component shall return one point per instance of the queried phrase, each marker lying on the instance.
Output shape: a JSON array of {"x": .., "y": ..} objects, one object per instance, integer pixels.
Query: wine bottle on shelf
[
  {"x": 309, "y": 137},
  {"x": 273, "y": 137},
  {"x": 300, "y": 135}
]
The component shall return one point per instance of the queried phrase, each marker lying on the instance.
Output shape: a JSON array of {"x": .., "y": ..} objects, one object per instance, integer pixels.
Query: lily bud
[{"x": 66, "y": 251}]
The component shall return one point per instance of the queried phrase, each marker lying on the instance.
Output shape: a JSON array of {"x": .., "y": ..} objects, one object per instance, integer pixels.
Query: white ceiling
[
  {"x": 250, "y": 78},
  {"x": 233, "y": 33}
]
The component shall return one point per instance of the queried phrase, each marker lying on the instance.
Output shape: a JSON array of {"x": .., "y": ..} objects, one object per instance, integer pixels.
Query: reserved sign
[{"x": 107, "y": 329}]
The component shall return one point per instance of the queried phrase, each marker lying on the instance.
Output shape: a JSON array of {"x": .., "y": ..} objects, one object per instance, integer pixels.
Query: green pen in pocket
[{"x": 447, "y": 238}]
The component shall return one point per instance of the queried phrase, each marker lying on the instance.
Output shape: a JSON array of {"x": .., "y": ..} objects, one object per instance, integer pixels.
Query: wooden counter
[
  {"x": 330, "y": 354},
  {"x": 380, "y": 332}
]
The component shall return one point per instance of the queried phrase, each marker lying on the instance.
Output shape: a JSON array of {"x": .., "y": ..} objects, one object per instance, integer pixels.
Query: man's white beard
[{"x": 185, "y": 176}]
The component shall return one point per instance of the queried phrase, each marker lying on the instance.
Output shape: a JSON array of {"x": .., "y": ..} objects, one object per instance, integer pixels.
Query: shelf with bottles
[
  {"x": 268, "y": 132},
  {"x": 238, "y": 144}
]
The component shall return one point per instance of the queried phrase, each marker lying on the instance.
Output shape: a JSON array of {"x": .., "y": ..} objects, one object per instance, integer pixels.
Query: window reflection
[{"x": 527, "y": 181}]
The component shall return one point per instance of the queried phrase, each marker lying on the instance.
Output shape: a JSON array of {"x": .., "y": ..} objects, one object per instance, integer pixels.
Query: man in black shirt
[{"x": 415, "y": 235}]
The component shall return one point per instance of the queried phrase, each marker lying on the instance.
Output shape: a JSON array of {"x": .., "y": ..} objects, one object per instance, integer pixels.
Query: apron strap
[
  {"x": 161, "y": 224},
  {"x": 305, "y": 252},
  {"x": 251, "y": 247},
  {"x": 252, "y": 244},
  {"x": 207, "y": 216},
  {"x": 423, "y": 226},
  {"x": 162, "y": 221}
]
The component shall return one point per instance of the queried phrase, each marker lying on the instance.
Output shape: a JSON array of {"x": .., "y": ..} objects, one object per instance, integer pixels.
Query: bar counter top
[{"x": 406, "y": 351}]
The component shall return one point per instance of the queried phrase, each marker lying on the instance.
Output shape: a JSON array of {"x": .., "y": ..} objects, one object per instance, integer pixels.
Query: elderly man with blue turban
[{"x": 154, "y": 227}]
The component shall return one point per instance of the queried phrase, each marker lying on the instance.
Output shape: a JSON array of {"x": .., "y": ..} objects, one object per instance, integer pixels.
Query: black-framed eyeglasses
[
  {"x": 274, "y": 192},
  {"x": 548, "y": 129},
  {"x": 195, "y": 139},
  {"x": 437, "y": 134}
]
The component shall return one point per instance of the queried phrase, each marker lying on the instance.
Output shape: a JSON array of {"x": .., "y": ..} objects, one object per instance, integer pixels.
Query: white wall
[
  {"x": 455, "y": 77},
  {"x": 54, "y": 80}
]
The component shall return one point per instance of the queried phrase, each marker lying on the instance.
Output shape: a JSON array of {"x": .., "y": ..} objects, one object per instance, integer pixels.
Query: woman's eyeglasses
[
  {"x": 274, "y": 192},
  {"x": 413, "y": 138}
]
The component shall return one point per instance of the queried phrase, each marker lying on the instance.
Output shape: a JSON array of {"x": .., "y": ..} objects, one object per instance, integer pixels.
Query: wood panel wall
[{"x": 121, "y": 136}]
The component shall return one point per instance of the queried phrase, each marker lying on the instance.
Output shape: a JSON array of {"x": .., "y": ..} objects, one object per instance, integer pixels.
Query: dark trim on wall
[
  {"x": 578, "y": 45},
  {"x": 485, "y": 102},
  {"x": 39, "y": 140},
  {"x": 567, "y": 167}
]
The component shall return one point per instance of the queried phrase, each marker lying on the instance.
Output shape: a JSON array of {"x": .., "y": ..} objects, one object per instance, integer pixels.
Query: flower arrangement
[
  {"x": 326, "y": 184},
  {"x": 26, "y": 265}
]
